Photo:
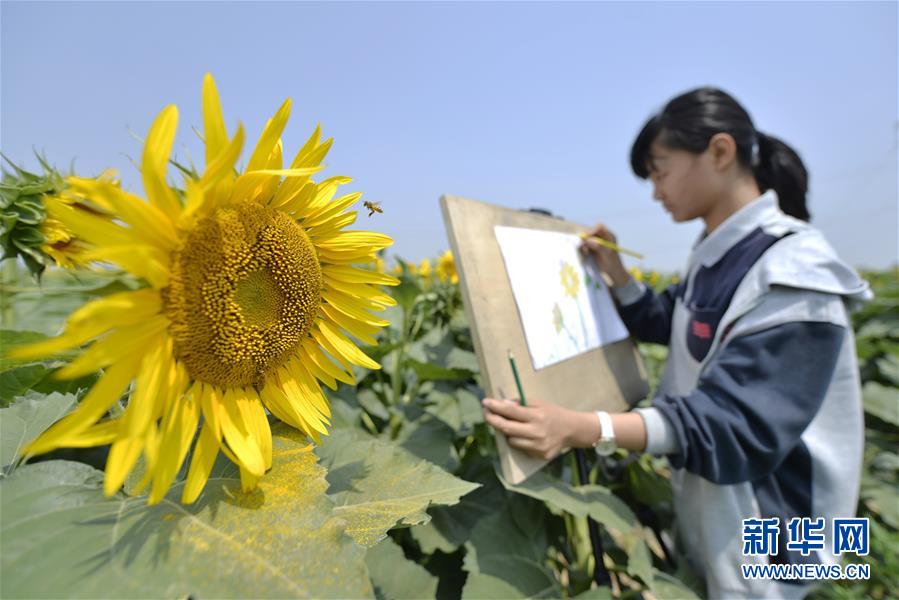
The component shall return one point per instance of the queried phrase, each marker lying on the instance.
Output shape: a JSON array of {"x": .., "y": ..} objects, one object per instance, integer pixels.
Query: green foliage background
[{"x": 403, "y": 499}]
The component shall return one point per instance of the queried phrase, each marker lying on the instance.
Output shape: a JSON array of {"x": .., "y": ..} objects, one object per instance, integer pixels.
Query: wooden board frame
[{"x": 611, "y": 377}]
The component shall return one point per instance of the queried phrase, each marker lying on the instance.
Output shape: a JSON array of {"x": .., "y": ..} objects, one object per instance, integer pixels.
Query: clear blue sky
[{"x": 520, "y": 104}]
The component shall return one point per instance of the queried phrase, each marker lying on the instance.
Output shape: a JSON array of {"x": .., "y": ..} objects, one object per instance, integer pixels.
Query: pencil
[
  {"x": 612, "y": 246},
  {"x": 517, "y": 380}
]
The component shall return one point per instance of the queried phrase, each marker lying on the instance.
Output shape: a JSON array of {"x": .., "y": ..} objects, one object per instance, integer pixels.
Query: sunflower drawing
[
  {"x": 252, "y": 293},
  {"x": 571, "y": 282}
]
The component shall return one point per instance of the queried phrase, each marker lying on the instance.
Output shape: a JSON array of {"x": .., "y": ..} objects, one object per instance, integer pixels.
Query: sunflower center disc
[{"x": 243, "y": 292}]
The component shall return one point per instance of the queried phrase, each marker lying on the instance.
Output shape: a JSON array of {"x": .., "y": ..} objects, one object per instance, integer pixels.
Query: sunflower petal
[
  {"x": 94, "y": 318},
  {"x": 112, "y": 347},
  {"x": 93, "y": 228},
  {"x": 95, "y": 435},
  {"x": 145, "y": 262},
  {"x": 365, "y": 333},
  {"x": 342, "y": 345},
  {"x": 315, "y": 353},
  {"x": 205, "y": 452},
  {"x": 102, "y": 395},
  {"x": 353, "y": 298},
  {"x": 150, "y": 390},
  {"x": 157, "y": 150},
  {"x": 122, "y": 456},
  {"x": 302, "y": 157},
  {"x": 319, "y": 373},
  {"x": 211, "y": 403},
  {"x": 149, "y": 224},
  {"x": 333, "y": 225},
  {"x": 254, "y": 416},
  {"x": 323, "y": 214},
  {"x": 213, "y": 122},
  {"x": 269, "y": 138},
  {"x": 277, "y": 401},
  {"x": 238, "y": 434},
  {"x": 355, "y": 275},
  {"x": 178, "y": 428},
  {"x": 313, "y": 392}
]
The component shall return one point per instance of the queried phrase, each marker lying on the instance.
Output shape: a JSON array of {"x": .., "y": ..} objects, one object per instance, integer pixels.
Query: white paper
[{"x": 565, "y": 307}]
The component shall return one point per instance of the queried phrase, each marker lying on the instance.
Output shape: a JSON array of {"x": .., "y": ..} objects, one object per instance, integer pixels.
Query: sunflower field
[{"x": 220, "y": 391}]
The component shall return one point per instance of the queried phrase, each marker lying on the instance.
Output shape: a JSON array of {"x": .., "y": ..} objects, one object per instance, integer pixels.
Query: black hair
[{"x": 690, "y": 120}]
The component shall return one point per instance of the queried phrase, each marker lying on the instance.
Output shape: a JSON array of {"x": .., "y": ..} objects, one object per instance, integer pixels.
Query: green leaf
[
  {"x": 395, "y": 577},
  {"x": 880, "y": 498},
  {"x": 27, "y": 418},
  {"x": 377, "y": 485},
  {"x": 451, "y": 526},
  {"x": 62, "y": 538},
  {"x": 431, "y": 439},
  {"x": 16, "y": 382},
  {"x": 488, "y": 587},
  {"x": 882, "y": 402},
  {"x": 599, "y": 503},
  {"x": 435, "y": 372},
  {"x": 10, "y": 339},
  {"x": 889, "y": 368},
  {"x": 580, "y": 501},
  {"x": 458, "y": 407},
  {"x": 667, "y": 587},
  {"x": 505, "y": 560}
]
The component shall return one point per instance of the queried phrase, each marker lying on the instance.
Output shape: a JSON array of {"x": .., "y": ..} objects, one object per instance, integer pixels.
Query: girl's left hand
[{"x": 541, "y": 429}]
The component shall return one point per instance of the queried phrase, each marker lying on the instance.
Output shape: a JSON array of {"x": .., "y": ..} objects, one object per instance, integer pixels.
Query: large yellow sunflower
[{"x": 252, "y": 292}]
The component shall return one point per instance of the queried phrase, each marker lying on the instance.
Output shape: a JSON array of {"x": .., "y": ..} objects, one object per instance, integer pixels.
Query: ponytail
[
  {"x": 780, "y": 168},
  {"x": 690, "y": 120}
]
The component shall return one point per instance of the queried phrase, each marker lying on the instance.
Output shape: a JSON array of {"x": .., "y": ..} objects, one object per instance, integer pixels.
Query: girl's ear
[{"x": 723, "y": 150}]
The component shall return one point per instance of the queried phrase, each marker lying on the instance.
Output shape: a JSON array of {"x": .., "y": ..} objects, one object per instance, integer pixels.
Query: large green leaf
[
  {"x": 396, "y": 577},
  {"x": 458, "y": 407},
  {"x": 431, "y": 439},
  {"x": 580, "y": 501},
  {"x": 600, "y": 504},
  {"x": 27, "y": 418},
  {"x": 16, "y": 382},
  {"x": 505, "y": 558},
  {"x": 10, "y": 338},
  {"x": 882, "y": 402},
  {"x": 377, "y": 485},
  {"x": 41, "y": 378},
  {"x": 451, "y": 526},
  {"x": 62, "y": 538}
]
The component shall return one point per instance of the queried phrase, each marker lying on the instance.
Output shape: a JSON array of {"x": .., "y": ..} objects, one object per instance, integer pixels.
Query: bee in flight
[{"x": 373, "y": 207}]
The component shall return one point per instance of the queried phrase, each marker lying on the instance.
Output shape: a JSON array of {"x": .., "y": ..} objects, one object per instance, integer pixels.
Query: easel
[{"x": 611, "y": 377}]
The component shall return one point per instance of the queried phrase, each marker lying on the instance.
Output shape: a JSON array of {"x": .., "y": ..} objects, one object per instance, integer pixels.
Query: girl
[{"x": 759, "y": 408}]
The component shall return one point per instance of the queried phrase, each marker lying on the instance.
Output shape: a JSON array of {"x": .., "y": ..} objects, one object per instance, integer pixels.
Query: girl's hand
[
  {"x": 541, "y": 429},
  {"x": 607, "y": 260}
]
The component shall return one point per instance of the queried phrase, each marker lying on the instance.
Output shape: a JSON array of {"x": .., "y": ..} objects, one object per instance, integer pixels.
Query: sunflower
[
  {"x": 252, "y": 295},
  {"x": 425, "y": 269},
  {"x": 446, "y": 268},
  {"x": 60, "y": 244},
  {"x": 571, "y": 283}
]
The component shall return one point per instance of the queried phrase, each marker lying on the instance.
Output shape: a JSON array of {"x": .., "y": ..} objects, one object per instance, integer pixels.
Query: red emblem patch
[{"x": 702, "y": 330}]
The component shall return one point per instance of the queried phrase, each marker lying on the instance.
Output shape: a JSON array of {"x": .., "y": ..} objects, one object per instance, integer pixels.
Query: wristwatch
[{"x": 606, "y": 444}]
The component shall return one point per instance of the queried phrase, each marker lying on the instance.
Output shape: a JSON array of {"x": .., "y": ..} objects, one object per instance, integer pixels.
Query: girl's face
[{"x": 685, "y": 183}]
